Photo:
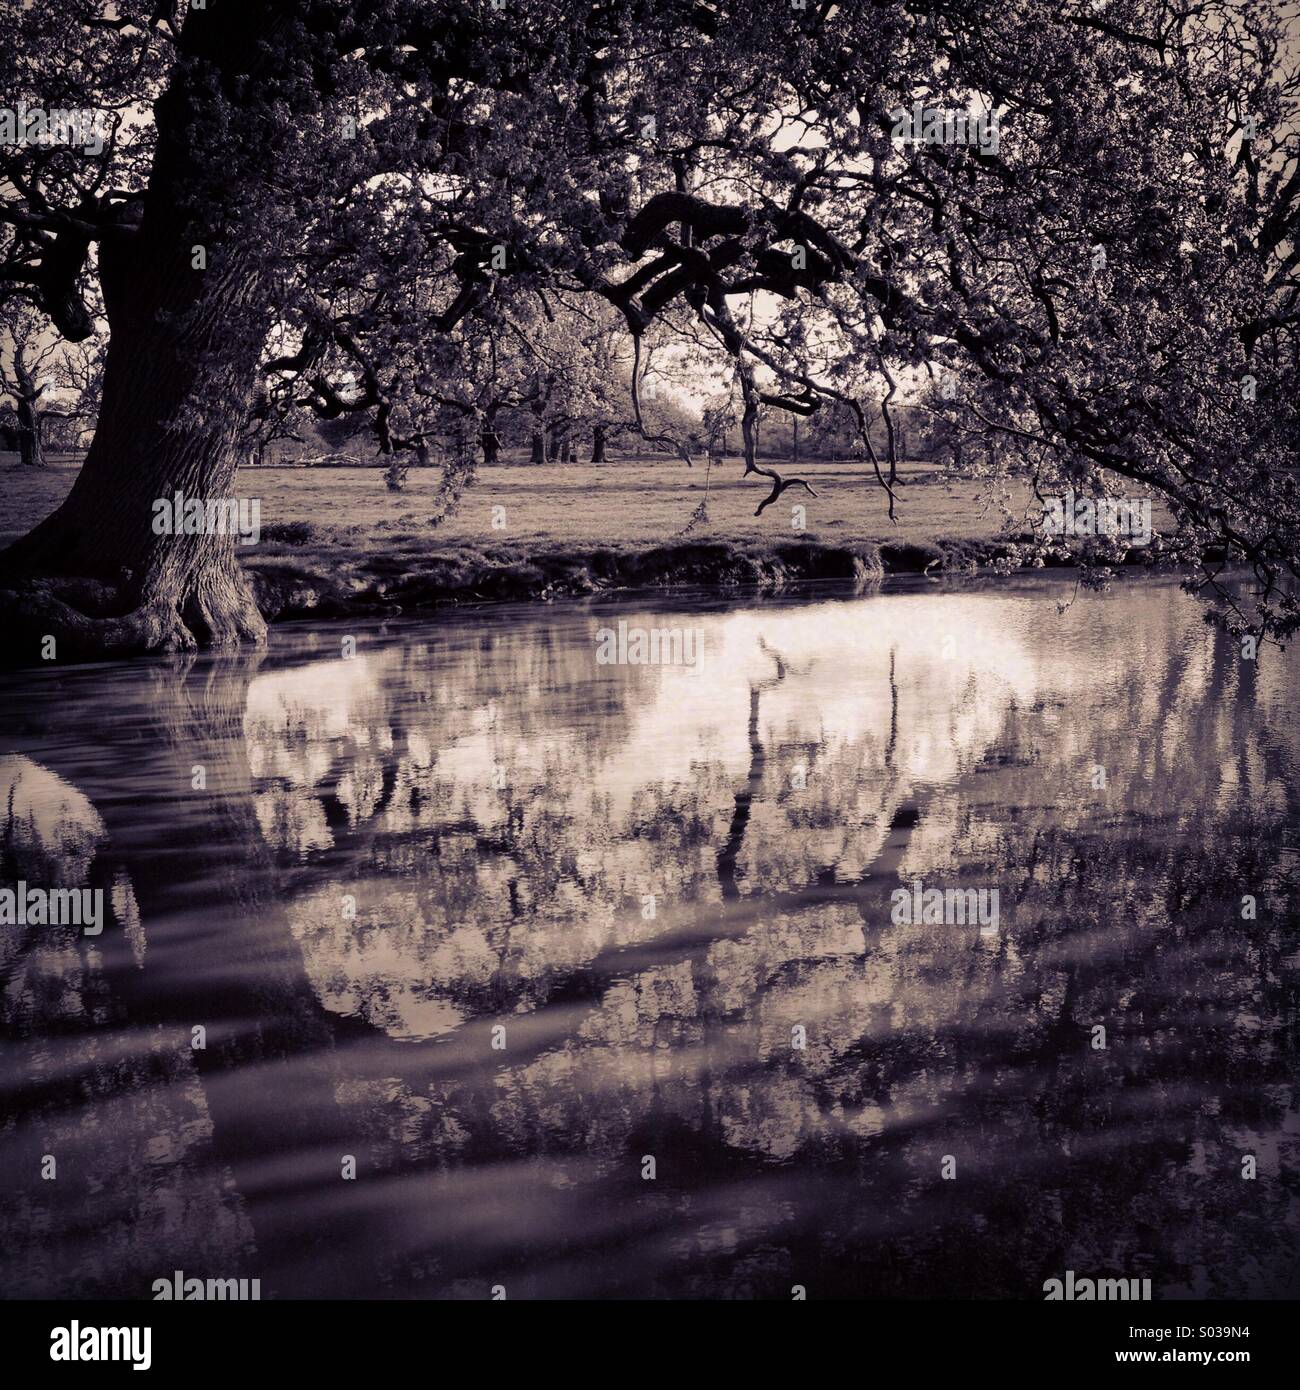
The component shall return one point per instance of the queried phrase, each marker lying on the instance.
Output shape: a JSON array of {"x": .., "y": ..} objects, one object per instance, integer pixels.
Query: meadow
[
  {"x": 337, "y": 539},
  {"x": 639, "y": 500}
]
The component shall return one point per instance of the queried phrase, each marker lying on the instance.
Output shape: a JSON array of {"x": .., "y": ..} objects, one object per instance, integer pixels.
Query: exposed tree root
[{"x": 78, "y": 614}]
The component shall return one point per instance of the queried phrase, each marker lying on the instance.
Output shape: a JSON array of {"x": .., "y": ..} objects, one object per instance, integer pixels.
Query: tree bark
[
  {"x": 177, "y": 382},
  {"x": 31, "y": 451},
  {"x": 598, "y": 444},
  {"x": 187, "y": 330},
  {"x": 538, "y": 448},
  {"x": 27, "y": 413},
  {"x": 489, "y": 439}
]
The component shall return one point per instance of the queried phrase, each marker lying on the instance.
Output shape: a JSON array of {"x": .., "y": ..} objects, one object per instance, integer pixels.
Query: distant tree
[{"x": 43, "y": 379}]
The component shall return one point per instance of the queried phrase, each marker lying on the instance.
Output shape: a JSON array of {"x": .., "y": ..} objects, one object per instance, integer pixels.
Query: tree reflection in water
[{"x": 499, "y": 808}]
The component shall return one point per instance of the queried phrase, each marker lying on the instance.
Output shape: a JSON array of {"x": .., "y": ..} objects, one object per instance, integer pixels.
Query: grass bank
[{"x": 337, "y": 541}]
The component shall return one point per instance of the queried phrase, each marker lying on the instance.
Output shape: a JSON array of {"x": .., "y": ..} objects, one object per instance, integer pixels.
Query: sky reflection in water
[{"x": 500, "y": 807}]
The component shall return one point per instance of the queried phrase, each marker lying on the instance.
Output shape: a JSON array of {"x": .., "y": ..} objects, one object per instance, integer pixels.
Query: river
[{"x": 448, "y": 959}]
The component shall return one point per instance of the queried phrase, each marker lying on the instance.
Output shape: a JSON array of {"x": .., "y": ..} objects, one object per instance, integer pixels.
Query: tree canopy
[{"x": 330, "y": 203}]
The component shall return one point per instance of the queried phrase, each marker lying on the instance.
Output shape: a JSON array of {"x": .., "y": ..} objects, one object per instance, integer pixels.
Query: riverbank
[
  {"x": 334, "y": 542},
  {"x": 334, "y": 581}
]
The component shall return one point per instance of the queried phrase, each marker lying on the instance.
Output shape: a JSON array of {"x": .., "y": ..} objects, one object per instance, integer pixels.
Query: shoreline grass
[{"x": 336, "y": 541}]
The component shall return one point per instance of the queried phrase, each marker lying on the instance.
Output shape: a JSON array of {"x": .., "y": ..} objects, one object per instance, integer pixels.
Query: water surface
[{"x": 500, "y": 924}]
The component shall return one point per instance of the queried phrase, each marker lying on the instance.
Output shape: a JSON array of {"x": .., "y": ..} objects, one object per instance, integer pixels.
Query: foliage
[{"x": 440, "y": 210}]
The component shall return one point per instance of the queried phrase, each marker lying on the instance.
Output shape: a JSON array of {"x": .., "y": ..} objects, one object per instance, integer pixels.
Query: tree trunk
[
  {"x": 27, "y": 411},
  {"x": 539, "y": 447},
  {"x": 178, "y": 378},
  {"x": 598, "y": 444},
  {"x": 187, "y": 329},
  {"x": 489, "y": 440},
  {"x": 31, "y": 451},
  {"x": 559, "y": 443}
]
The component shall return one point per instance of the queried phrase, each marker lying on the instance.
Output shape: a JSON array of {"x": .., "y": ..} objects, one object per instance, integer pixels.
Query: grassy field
[
  {"x": 336, "y": 540},
  {"x": 641, "y": 501}
]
